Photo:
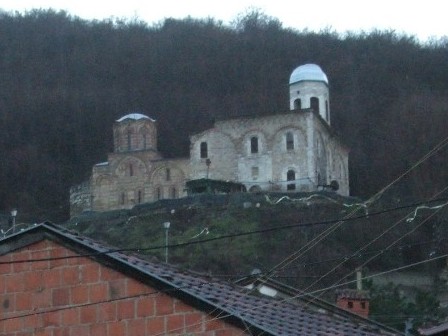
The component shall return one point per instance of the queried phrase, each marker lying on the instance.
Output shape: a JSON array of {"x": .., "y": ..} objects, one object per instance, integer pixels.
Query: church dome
[
  {"x": 134, "y": 116},
  {"x": 308, "y": 72}
]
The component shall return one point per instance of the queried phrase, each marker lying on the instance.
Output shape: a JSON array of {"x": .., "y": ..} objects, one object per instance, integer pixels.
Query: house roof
[
  {"x": 227, "y": 301},
  {"x": 435, "y": 330},
  {"x": 352, "y": 294}
]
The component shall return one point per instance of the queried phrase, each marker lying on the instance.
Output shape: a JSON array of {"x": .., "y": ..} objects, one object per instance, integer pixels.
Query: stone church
[{"x": 290, "y": 152}]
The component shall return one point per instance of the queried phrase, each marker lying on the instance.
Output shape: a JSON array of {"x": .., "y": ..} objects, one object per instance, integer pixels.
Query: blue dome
[
  {"x": 134, "y": 116},
  {"x": 308, "y": 72}
]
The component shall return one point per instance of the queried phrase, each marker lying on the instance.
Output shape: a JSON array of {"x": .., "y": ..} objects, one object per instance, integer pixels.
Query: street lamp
[
  {"x": 166, "y": 226},
  {"x": 13, "y": 215},
  {"x": 208, "y": 162}
]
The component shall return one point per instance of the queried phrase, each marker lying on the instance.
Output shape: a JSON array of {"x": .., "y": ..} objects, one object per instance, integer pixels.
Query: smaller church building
[{"x": 288, "y": 152}]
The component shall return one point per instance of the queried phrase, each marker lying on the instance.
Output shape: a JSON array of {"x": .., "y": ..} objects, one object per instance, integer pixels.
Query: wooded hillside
[{"x": 63, "y": 81}]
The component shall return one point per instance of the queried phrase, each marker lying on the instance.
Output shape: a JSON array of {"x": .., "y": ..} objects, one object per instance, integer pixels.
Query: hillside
[
  {"x": 310, "y": 241},
  {"x": 234, "y": 234},
  {"x": 63, "y": 81}
]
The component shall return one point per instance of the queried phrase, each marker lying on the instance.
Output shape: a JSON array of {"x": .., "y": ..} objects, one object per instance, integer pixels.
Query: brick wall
[
  {"x": 78, "y": 296},
  {"x": 357, "y": 306}
]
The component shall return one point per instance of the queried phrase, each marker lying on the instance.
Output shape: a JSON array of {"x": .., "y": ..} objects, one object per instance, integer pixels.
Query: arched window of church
[
  {"x": 139, "y": 196},
  {"x": 204, "y": 150},
  {"x": 314, "y": 102},
  {"x": 298, "y": 104},
  {"x": 144, "y": 141},
  {"x": 168, "y": 174},
  {"x": 289, "y": 141},
  {"x": 254, "y": 189},
  {"x": 327, "y": 113},
  {"x": 173, "y": 192},
  {"x": 122, "y": 198},
  {"x": 320, "y": 180},
  {"x": 129, "y": 140},
  {"x": 159, "y": 193},
  {"x": 131, "y": 169},
  {"x": 254, "y": 144},
  {"x": 291, "y": 176}
]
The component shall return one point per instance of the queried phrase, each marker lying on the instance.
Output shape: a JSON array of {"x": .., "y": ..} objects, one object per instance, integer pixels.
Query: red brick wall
[{"x": 68, "y": 297}]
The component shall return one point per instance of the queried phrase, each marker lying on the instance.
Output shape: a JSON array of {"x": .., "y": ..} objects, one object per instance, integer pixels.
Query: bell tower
[
  {"x": 308, "y": 88},
  {"x": 135, "y": 132}
]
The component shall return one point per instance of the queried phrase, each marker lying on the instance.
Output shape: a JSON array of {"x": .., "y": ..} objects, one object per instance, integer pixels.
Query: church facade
[{"x": 293, "y": 151}]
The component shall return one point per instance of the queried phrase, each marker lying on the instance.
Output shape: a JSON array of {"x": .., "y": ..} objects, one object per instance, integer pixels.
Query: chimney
[
  {"x": 358, "y": 279},
  {"x": 354, "y": 300}
]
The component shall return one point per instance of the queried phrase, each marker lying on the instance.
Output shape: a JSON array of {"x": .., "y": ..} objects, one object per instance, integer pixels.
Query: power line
[
  {"x": 403, "y": 219},
  {"x": 300, "y": 252},
  {"x": 389, "y": 246},
  {"x": 212, "y": 282},
  {"x": 331, "y": 287},
  {"x": 346, "y": 258},
  {"x": 241, "y": 234}
]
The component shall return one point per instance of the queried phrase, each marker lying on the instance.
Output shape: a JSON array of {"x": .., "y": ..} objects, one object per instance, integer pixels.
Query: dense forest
[{"x": 64, "y": 80}]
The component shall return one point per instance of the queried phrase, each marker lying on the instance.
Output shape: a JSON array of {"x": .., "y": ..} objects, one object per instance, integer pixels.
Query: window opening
[
  {"x": 254, "y": 144},
  {"x": 298, "y": 104},
  {"x": 254, "y": 189},
  {"x": 139, "y": 196},
  {"x": 173, "y": 192},
  {"x": 123, "y": 198},
  {"x": 144, "y": 141},
  {"x": 291, "y": 176},
  {"x": 315, "y": 104},
  {"x": 131, "y": 169},
  {"x": 289, "y": 141},
  {"x": 129, "y": 138},
  {"x": 255, "y": 172},
  {"x": 168, "y": 174},
  {"x": 204, "y": 150}
]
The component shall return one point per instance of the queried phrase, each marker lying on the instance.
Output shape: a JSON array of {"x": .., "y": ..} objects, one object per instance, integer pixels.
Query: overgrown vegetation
[
  {"x": 63, "y": 81},
  {"x": 230, "y": 241},
  {"x": 389, "y": 306}
]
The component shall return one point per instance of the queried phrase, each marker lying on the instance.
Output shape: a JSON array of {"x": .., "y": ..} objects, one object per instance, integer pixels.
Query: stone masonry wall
[
  {"x": 231, "y": 157},
  {"x": 80, "y": 198},
  {"x": 78, "y": 296}
]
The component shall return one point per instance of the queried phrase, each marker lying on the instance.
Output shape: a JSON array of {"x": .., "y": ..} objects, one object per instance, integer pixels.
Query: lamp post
[
  {"x": 166, "y": 226},
  {"x": 208, "y": 162},
  {"x": 13, "y": 215}
]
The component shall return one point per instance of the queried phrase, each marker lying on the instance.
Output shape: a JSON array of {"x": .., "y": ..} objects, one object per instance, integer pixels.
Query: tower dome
[
  {"x": 308, "y": 72},
  {"x": 308, "y": 89},
  {"x": 134, "y": 116},
  {"x": 135, "y": 132}
]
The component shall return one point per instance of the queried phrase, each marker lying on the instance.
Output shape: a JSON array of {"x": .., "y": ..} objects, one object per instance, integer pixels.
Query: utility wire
[
  {"x": 346, "y": 257},
  {"x": 300, "y": 295},
  {"x": 437, "y": 209},
  {"x": 295, "y": 255},
  {"x": 212, "y": 282},
  {"x": 390, "y": 245},
  {"x": 241, "y": 234},
  {"x": 403, "y": 219}
]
